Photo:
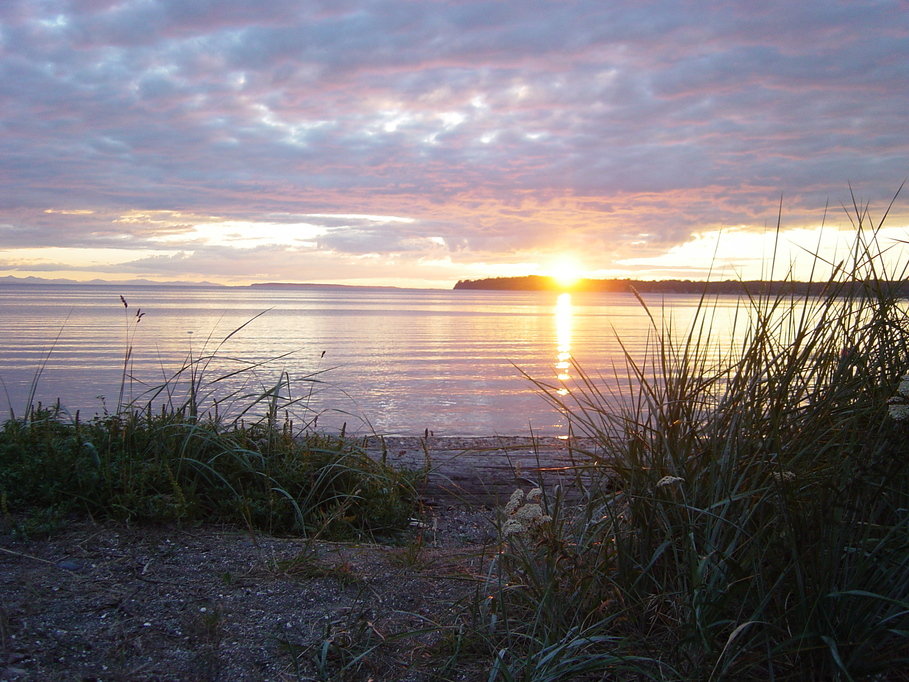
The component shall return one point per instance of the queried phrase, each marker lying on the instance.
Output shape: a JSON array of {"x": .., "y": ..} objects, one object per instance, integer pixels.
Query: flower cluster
[
  {"x": 670, "y": 482},
  {"x": 524, "y": 514},
  {"x": 898, "y": 405}
]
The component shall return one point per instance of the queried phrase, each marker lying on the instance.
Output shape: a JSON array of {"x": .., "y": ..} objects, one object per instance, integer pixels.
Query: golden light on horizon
[{"x": 566, "y": 272}]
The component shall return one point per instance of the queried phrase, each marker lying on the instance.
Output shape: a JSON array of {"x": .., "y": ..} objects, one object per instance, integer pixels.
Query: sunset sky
[{"x": 418, "y": 142}]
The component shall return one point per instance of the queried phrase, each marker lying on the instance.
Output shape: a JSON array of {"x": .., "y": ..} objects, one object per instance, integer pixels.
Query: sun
[{"x": 565, "y": 272}]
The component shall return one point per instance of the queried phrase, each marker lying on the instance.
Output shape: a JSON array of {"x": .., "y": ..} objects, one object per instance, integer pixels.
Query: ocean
[{"x": 386, "y": 361}]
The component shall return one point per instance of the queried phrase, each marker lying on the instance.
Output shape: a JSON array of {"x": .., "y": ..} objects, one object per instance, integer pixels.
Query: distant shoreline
[
  {"x": 532, "y": 283},
  {"x": 38, "y": 281},
  {"x": 681, "y": 286},
  {"x": 306, "y": 285}
]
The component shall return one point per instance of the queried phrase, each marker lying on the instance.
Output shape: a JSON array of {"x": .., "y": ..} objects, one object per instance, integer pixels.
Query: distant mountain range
[
  {"x": 669, "y": 286},
  {"x": 304, "y": 285},
  {"x": 9, "y": 279}
]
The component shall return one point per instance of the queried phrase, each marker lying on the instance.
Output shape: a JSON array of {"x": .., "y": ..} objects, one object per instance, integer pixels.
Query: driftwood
[{"x": 485, "y": 471}]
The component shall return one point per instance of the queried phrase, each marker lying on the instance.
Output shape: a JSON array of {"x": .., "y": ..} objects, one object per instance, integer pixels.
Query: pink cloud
[{"x": 494, "y": 125}]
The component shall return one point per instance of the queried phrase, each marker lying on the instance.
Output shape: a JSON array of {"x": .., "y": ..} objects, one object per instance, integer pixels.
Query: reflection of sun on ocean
[
  {"x": 563, "y": 339},
  {"x": 565, "y": 272}
]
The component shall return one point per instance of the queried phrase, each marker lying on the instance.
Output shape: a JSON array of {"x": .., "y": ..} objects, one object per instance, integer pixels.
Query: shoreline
[{"x": 485, "y": 471}]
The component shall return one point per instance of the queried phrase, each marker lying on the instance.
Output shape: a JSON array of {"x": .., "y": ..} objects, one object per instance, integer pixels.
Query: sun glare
[{"x": 565, "y": 272}]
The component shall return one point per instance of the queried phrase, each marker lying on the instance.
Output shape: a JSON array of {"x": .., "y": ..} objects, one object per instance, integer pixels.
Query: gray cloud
[{"x": 491, "y": 124}]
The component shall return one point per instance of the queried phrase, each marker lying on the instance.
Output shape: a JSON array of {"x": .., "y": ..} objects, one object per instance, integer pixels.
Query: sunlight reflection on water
[
  {"x": 563, "y": 314},
  {"x": 397, "y": 361}
]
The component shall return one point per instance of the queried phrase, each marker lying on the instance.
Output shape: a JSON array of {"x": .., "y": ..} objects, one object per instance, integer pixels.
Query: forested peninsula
[{"x": 680, "y": 286}]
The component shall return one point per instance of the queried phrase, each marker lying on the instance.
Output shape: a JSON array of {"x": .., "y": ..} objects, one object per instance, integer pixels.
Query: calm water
[{"x": 393, "y": 361}]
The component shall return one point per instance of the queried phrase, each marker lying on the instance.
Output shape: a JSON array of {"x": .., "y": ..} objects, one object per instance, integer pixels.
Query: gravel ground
[
  {"x": 110, "y": 602},
  {"x": 105, "y": 601}
]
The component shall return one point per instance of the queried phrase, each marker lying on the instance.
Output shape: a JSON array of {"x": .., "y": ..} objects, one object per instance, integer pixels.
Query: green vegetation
[
  {"x": 159, "y": 467},
  {"x": 751, "y": 520},
  {"x": 171, "y": 460}
]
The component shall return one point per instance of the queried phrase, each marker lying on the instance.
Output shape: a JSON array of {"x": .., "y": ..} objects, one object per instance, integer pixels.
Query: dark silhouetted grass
[{"x": 752, "y": 519}]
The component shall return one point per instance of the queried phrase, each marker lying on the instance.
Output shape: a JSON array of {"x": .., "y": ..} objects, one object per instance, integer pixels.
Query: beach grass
[
  {"x": 751, "y": 517},
  {"x": 187, "y": 450}
]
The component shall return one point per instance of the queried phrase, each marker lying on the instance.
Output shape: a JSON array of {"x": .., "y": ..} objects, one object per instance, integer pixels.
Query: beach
[{"x": 105, "y": 600}]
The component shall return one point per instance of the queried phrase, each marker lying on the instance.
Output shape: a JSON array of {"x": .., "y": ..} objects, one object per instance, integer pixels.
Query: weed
[
  {"x": 307, "y": 566},
  {"x": 184, "y": 459},
  {"x": 753, "y": 524},
  {"x": 411, "y": 555},
  {"x": 205, "y": 628}
]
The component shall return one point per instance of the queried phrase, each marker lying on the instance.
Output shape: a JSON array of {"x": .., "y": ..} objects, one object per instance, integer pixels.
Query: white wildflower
[
  {"x": 898, "y": 405},
  {"x": 898, "y": 411},
  {"x": 668, "y": 481},
  {"x": 513, "y": 527},
  {"x": 903, "y": 390},
  {"x": 783, "y": 476},
  {"x": 532, "y": 514},
  {"x": 529, "y": 512},
  {"x": 534, "y": 494},
  {"x": 514, "y": 502},
  {"x": 523, "y": 514}
]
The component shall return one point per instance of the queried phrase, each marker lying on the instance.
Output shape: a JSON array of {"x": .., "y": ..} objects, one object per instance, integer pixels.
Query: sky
[{"x": 418, "y": 142}]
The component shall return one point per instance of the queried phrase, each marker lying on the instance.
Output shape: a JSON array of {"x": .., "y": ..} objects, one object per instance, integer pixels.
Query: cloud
[{"x": 497, "y": 129}]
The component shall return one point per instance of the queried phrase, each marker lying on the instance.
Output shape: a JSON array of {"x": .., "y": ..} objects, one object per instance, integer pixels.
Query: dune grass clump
[
  {"x": 752, "y": 519},
  {"x": 164, "y": 467},
  {"x": 179, "y": 456}
]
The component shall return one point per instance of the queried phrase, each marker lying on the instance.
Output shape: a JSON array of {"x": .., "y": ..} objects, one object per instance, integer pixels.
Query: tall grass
[
  {"x": 752, "y": 521},
  {"x": 192, "y": 449}
]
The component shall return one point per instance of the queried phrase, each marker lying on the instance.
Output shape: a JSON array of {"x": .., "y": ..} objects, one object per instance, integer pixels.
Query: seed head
[
  {"x": 670, "y": 482},
  {"x": 514, "y": 502},
  {"x": 523, "y": 514}
]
